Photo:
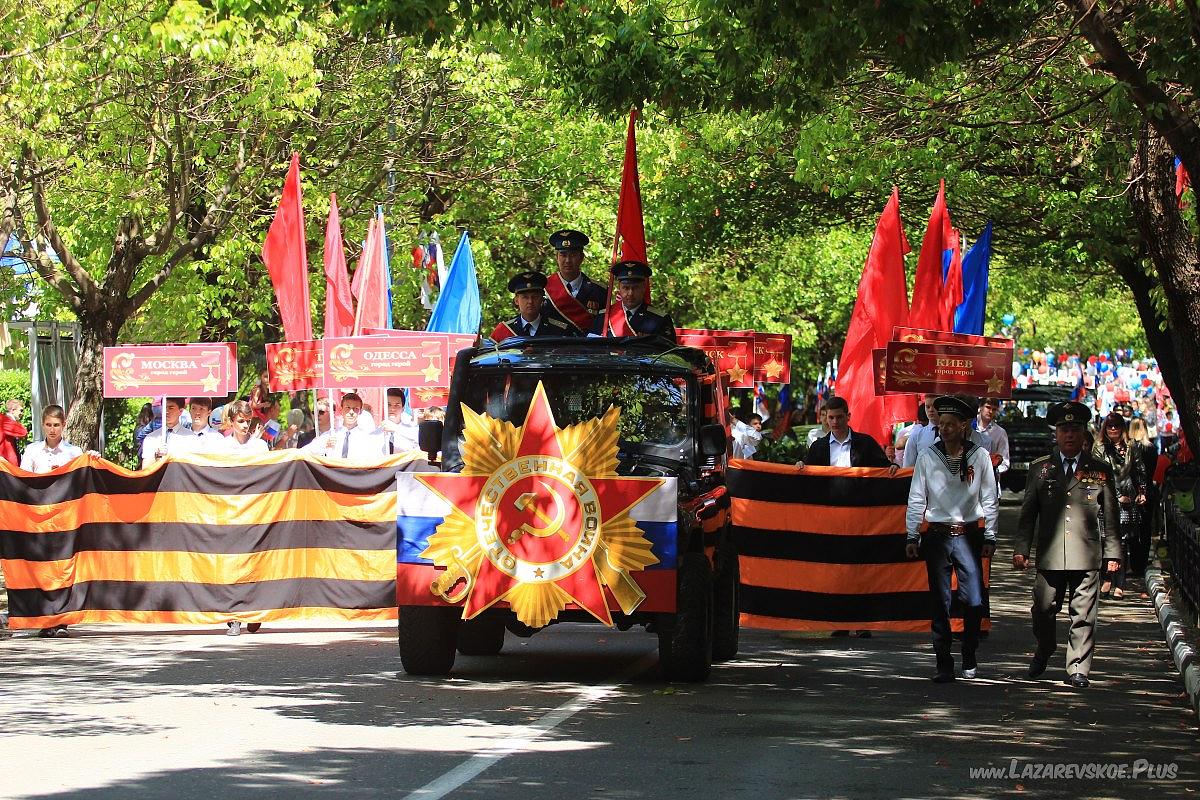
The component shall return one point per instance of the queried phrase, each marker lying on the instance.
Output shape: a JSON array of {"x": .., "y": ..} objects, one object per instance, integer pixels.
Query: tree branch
[{"x": 86, "y": 286}]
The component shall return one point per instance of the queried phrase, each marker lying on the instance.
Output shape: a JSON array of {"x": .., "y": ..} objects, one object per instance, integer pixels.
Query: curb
[{"x": 1184, "y": 656}]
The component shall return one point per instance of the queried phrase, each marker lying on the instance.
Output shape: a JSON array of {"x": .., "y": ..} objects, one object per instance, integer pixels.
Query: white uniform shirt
[
  {"x": 404, "y": 438},
  {"x": 937, "y": 495},
  {"x": 180, "y": 440},
  {"x": 354, "y": 444},
  {"x": 816, "y": 433},
  {"x": 252, "y": 446},
  {"x": 745, "y": 439},
  {"x": 40, "y": 458},
  {"x": 921, "y": 440}
]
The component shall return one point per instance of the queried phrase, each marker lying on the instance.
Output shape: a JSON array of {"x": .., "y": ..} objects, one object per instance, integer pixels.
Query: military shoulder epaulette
[
  {"x": 1039, "y": 460},
  {"x": 555, "y": 323}
]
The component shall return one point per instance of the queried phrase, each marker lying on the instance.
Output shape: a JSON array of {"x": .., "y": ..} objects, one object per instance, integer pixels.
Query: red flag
[
  {"x": 927, "y": 308},
  {"x": 882, "y": 304},
  {"x": 1181, "y": 181},
  {"x": 339, "y": 305},
  {"x": 370, "y": 282},
  {"x": 952, "y": 285},
  {"x": 630, "y": 242},
  {"x": 286, "y": 256}
]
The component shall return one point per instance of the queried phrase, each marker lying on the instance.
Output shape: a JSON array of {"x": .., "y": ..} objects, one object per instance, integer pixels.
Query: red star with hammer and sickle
[{"x": 615, "y": 495}]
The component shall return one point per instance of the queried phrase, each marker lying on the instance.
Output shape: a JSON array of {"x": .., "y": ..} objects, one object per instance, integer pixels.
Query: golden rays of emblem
[{"x": 539, "y": 518}]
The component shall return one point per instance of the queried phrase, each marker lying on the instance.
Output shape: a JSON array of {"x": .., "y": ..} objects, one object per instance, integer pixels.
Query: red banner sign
[
  {"x": 773, "y": 357},
  {"x": 434, "y": 396},
  {"x": 879, "y": 370},
  {"x": 293, "y": 366},
  {"x": 186, "y": 370},
  {"x": 940, "y": 368},
  {"x": 407, "y": 360},
  {"x": 902, "y": 334},
  {"x": 733, "y": 353}
]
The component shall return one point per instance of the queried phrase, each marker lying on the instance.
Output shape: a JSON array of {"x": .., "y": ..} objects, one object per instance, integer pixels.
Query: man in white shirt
[
  {"x": 53, "y": 451},
  {"x": 746, "y": 436},
  {"x": 986, "y": 423},
  {"x": 351, "y": 441},
  {"x": 48, "y": 455},
  {"x": 201, "y": 409},
  {"x": 953, "y": 493},
  {"x": 172, "y": 437},
  {"x": 399, "y": 426}
]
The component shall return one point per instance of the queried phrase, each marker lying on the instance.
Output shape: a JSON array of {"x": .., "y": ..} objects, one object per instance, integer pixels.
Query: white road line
[{"x": 476, "y": 764}]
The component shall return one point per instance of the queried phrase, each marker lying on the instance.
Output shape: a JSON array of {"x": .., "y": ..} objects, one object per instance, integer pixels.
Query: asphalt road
[{"x": 579, "y": 712}]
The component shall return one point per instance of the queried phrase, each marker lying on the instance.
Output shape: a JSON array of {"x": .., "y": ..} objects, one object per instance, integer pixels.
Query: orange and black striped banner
[
  {"x": 200, "y": 539},
  {"x": 822, "y": 548}
]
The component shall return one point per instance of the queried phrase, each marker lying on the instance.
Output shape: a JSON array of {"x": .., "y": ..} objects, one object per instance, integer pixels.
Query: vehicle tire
[
  {"x": 428, "y": 636},
  {"x": 726, "y": 612},
  {"x": 518, "y": 628},
  {"x": 685, "y": 637},
  {"x": 481, "y": 636}
]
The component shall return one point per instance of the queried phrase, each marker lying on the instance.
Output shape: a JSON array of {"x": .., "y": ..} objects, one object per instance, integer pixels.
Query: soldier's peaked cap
[
  {"x": 528, "y": 281},
  {"x": 1069, "y": 412},
  {"x": 950, "y": 404},
  {"x": 567, "y": 239},
  {"x": 631, "y": 271}
]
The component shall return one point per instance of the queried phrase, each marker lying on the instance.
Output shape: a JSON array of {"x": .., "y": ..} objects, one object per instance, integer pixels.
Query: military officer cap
[
  {"x": 568, "y": 239},
  {"x": 528, "y": 281},
  {"x": 953, "y": 404},
  {"x": 631, "y": 271},
  {"x": 1069, "y": 412}
]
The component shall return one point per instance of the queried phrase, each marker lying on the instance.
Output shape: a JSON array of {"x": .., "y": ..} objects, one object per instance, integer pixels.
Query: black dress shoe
[
  {"x": 943, "y": 677},
  {"x": 1037, "y": 666},
  {"x": 1077, "y": 680}
]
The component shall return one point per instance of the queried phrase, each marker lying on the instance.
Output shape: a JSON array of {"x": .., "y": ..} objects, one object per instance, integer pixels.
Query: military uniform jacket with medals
[
  {"x": 583, "y": 307},
  {"x": 644, "y": 321},
  {"x": 1064, "y": 514}
]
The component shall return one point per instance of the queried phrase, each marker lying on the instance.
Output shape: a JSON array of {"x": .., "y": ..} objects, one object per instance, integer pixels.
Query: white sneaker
[
  {"x": 968, "y": 674},
  {"x": 235, "y": 629}
]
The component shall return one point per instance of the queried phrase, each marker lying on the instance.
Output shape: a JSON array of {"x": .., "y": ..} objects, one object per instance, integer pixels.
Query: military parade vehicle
[{"x": 579, "y": 480}]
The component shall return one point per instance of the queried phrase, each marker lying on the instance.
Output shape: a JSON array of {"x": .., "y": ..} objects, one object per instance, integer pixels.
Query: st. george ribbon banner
[
  {"x": 731, "y": 351},
  {"x": 940, "y": 368},
  {"x": 138, "y": 370},
  {"x": 410, "y": 360},
  {"x": 295, "y": 366},
  {"x": 772, "y": 357}
]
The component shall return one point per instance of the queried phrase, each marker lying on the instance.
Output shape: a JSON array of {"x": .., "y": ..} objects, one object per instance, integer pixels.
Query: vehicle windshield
[{"x": 654, "y": 408}]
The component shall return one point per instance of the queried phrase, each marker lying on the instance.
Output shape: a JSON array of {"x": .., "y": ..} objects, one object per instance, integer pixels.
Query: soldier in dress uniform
[
  {"x": 1064, "y": 495},
  {"x": 629, "y": 315},
  {"x": 569, "y": 293},
  {"x": 533, "y": 319}
]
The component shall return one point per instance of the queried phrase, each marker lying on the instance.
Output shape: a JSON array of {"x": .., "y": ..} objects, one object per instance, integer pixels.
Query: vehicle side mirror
[
  {"x": 429, "y": 437},
  {"x": 712, "y": 440}
]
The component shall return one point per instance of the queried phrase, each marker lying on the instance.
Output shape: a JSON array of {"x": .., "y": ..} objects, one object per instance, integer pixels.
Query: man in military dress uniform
[
  {"x": 629, "y": 315},
  {"x": 532, "y": 319},
  {"x": 569, "y": 293},
  {"x": 1064, "y": 495}
]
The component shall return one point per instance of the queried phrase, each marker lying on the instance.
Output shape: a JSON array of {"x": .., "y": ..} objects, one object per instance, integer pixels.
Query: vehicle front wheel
[
  {"x": 685, "y": 642},
  {"x": 428, "y": 636}
]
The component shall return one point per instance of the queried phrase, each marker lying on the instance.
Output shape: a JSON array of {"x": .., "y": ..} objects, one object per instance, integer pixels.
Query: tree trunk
[
  {"x": 1173, "y": 251},
  {"x": 97, "y": 331}
]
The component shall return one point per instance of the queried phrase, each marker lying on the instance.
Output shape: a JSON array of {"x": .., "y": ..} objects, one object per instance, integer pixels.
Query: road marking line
[{"x": 476, "y": 764}]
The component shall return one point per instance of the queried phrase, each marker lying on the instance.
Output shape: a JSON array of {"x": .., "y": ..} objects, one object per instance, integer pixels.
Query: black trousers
[{"x": 959, "y": 555}]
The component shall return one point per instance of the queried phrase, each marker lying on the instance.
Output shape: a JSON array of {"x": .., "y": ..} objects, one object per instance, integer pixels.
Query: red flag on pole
[
  {"x": 927, "y": 308},
  {"x": 286, "y": 256},
  {"x": 370, "y": 282},
  {"x": 630, "y": 241},
  {"x": 339, "y": 305},
  {"x": 952, "y": 284},
  {"x": 882, "y": 304}
]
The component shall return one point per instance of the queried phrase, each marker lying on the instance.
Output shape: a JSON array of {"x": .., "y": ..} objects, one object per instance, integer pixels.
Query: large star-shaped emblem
[
  {"x": 210, "y": 383},
  {"x": 773, "y": 369},
  {"x": 432, "y": 372},
  {"x": 994, "y": 383},
  {"x": 736, "y": 373},
  {"x": 539, "y": 518}
]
